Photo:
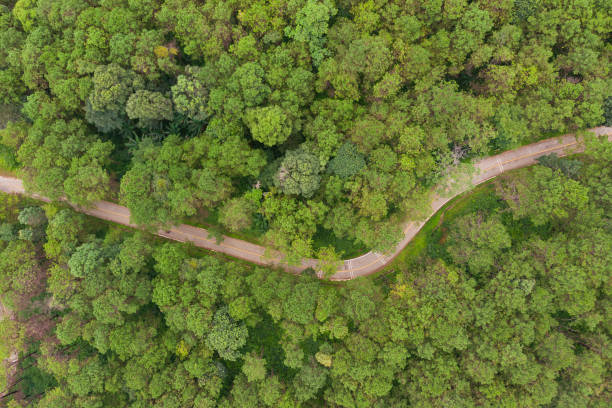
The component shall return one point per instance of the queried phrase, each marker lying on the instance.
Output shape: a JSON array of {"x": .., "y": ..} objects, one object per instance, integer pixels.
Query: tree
[
  {"x": 189, "y": 95},
  {"x": 597, "y": 172},
  {"x": 35, "y": 220},
  {"x": 51, "y": 155},
  {"x": 19, "y": 271},
  {"x": 347, "y": 162},
  {"x": 544, "y": 194},
  {"x": 477, "y": 242},
  {"x": 570, "y": 168},
  {"x": 237, "y": 213},
  {"x": 64, "y": 232},
  {"x": 148, "y": 107},
  {"x": 269, "y": 125},
  {"x": 112, "y": 85},
  {"x": 299, "y": 173},
  {"x": 226, "y": 337},
  {"x": 270, "y": 391},
  {"x": 300, "y": 305},
  {"x": 329, "y": 261},
  {"x": 308, "y": 381},
  {"x": 25, "y": 12},
  {"x": 608, "y": 111},
  {"x": 254, "y": 367},
  {"x": 88, "y": 180},
  {"x": 247, "y": 81},
  {"x": 32, "y": 216},
  {"x": 369, "y": 56},
  {"x": 311, "y": 25},
  {"x": 161, "y": 188}
]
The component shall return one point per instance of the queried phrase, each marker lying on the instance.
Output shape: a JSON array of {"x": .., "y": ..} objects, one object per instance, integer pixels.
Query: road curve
[{"x": 363, "y": 265}]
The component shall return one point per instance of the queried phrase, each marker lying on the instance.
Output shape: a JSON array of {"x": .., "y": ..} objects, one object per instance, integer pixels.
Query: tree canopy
[
  {"x": 388, "y": 96},
  {"x": 497, "y": 307}
]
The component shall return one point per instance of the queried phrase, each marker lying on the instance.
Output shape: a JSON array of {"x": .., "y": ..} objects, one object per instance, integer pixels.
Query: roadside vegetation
[
  {"x": 314, "y": 127},
  {"x": 505, "y": 303},
  {"x": 303, "y": 124}
]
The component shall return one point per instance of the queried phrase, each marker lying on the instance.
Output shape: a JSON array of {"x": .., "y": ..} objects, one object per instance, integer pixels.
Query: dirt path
[{"x": 365, "y": 264}]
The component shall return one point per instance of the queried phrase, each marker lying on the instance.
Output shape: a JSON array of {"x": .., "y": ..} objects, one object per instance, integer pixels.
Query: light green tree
[{"x": 269, "y": 125}]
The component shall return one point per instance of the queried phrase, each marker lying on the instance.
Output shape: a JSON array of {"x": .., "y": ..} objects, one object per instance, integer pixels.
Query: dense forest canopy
[
  {"x": 288, "y": 118},
  {"x": 507, "y": 306},
  {"x": 304, "y": 124}
]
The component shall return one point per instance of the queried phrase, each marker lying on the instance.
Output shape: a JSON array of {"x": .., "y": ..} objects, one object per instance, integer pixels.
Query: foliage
[
  {"x": 570, "y": 168},
  {"x": 304, "y": 116},
  {"x": 112, "y": 86},
  {"x": 388, "y": 96},
  {"x": 189, "y": 95},
  {"x": 148, "y": 107},
  {"x": 543, "y": 194},
  {"x": 311, "y": 26},
  {"x": 608, "y": 111},
  {"x": 347, "y": 162},
  {"x": 299, "y": 173},
  {"x": 160, "y": 187},
  {"x": 269, "y": 125},
  {"x": 496, "y": 305},
  {"x": 226, "y": 337},
  {"x": 476, "y": 242},
  {"x": 237, "y": 214}
]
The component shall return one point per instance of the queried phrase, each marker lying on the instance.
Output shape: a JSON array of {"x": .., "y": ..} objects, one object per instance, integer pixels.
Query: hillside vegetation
[
  {"x": 508, "y": 305},
  {"x": 296, "y": 121}
]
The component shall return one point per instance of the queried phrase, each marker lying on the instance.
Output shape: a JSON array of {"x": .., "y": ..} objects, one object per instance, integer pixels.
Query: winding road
[{"x": 363, "y": 265}]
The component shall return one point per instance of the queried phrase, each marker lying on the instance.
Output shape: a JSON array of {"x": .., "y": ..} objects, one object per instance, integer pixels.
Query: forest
[
  {"x": 313, "y": 127},
  {"x": 304, "y": 125},
  {"x": 507, "y": 305}
]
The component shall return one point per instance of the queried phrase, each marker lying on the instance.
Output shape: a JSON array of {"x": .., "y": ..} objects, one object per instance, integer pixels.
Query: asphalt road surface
[{"x": 363, "y": 265}]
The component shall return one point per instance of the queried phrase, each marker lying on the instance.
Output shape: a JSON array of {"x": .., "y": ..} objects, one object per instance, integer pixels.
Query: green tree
[
  {"x": 32, "y": 216},
  {"x": 299, "y": 173},
  {"x": 269, "y": 125},
  {"x": 226, "y": 337},
  {"x": 19, "y": 271},
  {"x": 88, "y": 180},
  {"x": 25, "y": 12},
  {"x": 112, "y": 86},
  {"x": 148, "y": 107},
  {"x": 347, "y": 162},
  {"x": 161, "y": 188},
  {"x": 477, "y": 242},
  {"x": 35, "y": 220},
  {"x": 311, "y": 26},
  {"x": 254, "y": 367},
  {"x": 237, "y": 213},
  {"x": 189, "y": 95},
  {"x": 308, "y": 381},
  {"x": 543, "y": 194},
  {"x": 329, "y": 261}
]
